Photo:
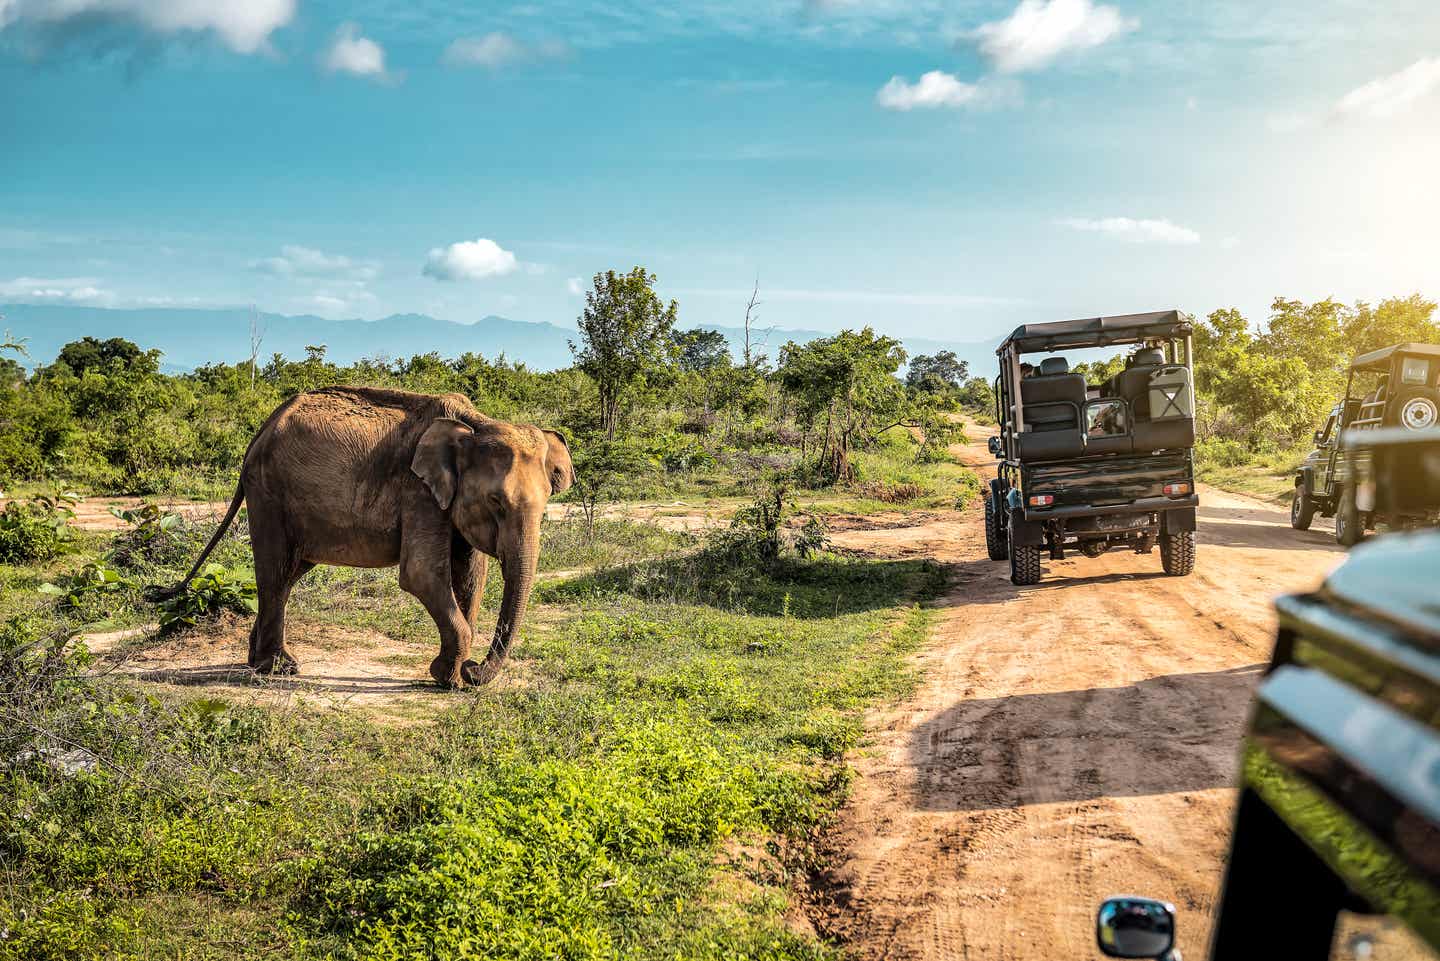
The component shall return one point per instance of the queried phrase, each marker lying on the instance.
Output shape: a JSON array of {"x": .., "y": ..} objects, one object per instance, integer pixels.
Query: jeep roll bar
[{"x": 1170, "y": 326}]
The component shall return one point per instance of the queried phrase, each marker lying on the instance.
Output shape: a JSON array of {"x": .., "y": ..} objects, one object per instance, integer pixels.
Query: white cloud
[
  {"x": 61, "y": 290},
  {"x": 469, "y": 260},
  {"x": 1394, "y": 94},
  {"x": 297, "y": 261},
  {"x": 934, "y": 89},
  {"x": 499, "y": 49},
  {"x": 355, "y": 54},
  {"x": 1135, "y": 231},
  {"x": 1039, "y": 31},
  {"x": 574, "y": 286},
  {"x": 244, "y": 27}
]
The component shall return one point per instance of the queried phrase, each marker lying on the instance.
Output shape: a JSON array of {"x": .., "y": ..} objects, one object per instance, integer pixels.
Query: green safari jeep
[{"x": 1395, "y": 387}]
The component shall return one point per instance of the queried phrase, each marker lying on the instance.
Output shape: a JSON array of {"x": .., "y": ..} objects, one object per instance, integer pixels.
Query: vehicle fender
[
  {"x": 1012, "y": 499},
  {"x": 1178, "y": 520},
  {"x": 1025, "y": 533},
  {"x": 1305, "y": 479}
]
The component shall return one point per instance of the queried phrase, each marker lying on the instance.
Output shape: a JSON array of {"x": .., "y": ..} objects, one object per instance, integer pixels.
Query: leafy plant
[
  {"x": 207, "y": 595},
  {"x": 155, "y": 536},
  {"x": 36, "y": 530},
  {"x": 87, "y": 590}
]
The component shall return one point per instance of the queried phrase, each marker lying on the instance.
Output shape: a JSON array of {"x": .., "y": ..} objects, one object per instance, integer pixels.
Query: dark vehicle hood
[{"x": 1394, "y": 578}]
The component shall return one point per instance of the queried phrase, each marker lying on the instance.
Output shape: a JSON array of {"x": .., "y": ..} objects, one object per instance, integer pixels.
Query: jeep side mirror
[
  {"x": 994, "y": 444},
  {"x": 1130, "y": 927},
  {"x": 1319, "y": 434}
]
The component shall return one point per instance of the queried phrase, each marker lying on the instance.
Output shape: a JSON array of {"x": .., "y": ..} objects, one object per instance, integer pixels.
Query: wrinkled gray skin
[{"x": 364, "y": 477}]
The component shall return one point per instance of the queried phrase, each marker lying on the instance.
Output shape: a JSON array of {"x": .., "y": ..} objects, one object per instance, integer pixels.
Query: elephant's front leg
[
  {"x": 467, "y": 577},
  {"x": 425, "y": 572}
]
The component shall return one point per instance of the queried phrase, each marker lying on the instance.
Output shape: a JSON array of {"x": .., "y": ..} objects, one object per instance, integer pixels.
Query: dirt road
[{"x": 1071, "y": 740}]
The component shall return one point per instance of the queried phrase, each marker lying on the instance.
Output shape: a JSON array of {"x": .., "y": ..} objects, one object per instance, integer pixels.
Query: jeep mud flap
[
  {"x": 1025, "y": 533},
  {"x": 1177, "y": 521}
]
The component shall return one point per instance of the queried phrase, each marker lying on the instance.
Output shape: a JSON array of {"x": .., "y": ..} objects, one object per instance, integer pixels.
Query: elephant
[{"x": 368, "y": 477}]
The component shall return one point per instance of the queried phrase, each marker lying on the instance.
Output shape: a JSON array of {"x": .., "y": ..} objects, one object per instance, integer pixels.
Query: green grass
[
  {"x": 1266, "y": 475},
  {"x": 679, "y": 704}
]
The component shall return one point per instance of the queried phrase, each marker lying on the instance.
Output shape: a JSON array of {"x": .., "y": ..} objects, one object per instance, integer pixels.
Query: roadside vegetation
[
  {"x": 646, "y": 786},
  {"x": 643, "y": 782}
]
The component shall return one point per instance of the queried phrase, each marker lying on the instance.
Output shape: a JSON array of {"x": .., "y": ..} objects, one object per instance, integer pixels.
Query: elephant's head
[{"x": 494, "y": 479}]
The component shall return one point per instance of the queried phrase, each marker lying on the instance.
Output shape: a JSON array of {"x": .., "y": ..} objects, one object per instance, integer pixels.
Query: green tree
[
  {"x": 702, "y": 350},
  {"x": 91, "y": 354},
  {"x": 1398, "y": 320},
  {"x": 845, "y": 383},
  {"x": 625, "y": 337},
  {"x": 936, "y": 372}
]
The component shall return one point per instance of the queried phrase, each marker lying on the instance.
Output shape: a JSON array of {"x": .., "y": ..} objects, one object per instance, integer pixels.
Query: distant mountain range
[{"x": 190, "y": 338}]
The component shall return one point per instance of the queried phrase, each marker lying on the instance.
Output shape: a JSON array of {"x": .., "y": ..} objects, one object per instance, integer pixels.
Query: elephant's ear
[
  {"x": 434, "y": 461},
  {"x": 557, "y": 461}
]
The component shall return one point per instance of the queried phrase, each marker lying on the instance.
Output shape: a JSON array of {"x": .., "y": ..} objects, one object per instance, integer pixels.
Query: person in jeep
[
  {"x": 1395, "y": 387},
  {"x": 1094, "y": 466}
]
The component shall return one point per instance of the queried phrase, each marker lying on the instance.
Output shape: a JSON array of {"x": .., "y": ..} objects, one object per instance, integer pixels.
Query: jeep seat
[
  {"x": 1153, "y": 429},
  {"x": 1052, "y": 402}
]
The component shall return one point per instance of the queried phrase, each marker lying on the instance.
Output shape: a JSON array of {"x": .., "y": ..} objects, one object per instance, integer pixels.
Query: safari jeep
[
  {"x": 1336, "y": 846},
  {"x": 1396, "y": 387},
  {"x": 1093, "y": 467}
]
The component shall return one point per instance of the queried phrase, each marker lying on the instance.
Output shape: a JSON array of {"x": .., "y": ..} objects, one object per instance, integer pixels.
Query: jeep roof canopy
[
  {"x": 1379, "y": 360},
  {"x": 1097, "y": 332}
]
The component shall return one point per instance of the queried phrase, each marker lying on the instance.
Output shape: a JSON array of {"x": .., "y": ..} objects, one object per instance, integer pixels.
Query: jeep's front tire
[
  {"x": 1349, "y": 528},
  {"x": 1302, "y": 508},
  {"x": 996, "y": 544},
  {"x": 1177, "y": 553},
  {"x": 1024, "y": 562}
]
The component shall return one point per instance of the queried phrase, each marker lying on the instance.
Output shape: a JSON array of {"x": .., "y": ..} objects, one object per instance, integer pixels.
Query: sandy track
[{"x": 1071, "y": 740}]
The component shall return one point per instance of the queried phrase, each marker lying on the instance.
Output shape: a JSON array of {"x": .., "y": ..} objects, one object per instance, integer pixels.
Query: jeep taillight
[
  {"x": 1042, "y": 500},
  {"x": 1176, "y": 490}
]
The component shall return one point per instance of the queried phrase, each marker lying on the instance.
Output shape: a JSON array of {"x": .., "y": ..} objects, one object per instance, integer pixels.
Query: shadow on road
[
  {"x": 238, "y": 675},
  {"x": 1162, "y": 735}
]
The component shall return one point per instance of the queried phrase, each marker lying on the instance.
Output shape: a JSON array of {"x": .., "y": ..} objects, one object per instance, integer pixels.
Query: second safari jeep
[
  {"x": 1395, "y": 387},
  {"x": 1094, "y": 466}
]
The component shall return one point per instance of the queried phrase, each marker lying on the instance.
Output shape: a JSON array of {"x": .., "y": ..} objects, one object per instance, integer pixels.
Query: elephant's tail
[{"x": 156, "y": 593}]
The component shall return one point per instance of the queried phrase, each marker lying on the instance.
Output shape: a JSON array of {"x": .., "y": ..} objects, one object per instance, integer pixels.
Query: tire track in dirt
[{"x": 1070, "y": 740}]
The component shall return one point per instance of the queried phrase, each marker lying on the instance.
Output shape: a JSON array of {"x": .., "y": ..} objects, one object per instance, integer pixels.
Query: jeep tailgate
[{"x": 1108, "y": 480}]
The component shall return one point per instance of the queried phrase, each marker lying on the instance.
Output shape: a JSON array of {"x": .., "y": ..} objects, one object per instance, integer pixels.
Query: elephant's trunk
[{"x": 517, "y": 566}]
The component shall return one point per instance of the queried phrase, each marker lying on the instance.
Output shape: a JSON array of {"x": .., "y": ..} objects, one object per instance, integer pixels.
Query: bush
[
  {"x": 206, "y": 596},
  {"x": 561, "y": 859},
  {"x": 35, "y": 531},
  {"x": 156, "y": 538},
  {"x": 1221, "y": 452},
  {"x": 92, "y": 591},
  {"x": 888, "y": 493}
]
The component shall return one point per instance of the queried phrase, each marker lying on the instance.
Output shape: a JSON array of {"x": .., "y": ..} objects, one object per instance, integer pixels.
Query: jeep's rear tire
[
  {"x": 1024, "y": 562},
  {"x": 1177, "y": 553},
  {"x": 996, "y": 544},
  {"x": 1349, "y": 529},
  {"x": 1302, "y": 508}
]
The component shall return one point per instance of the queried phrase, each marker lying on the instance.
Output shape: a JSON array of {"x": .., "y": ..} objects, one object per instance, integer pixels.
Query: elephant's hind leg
[{"x": 277, "y": 568}]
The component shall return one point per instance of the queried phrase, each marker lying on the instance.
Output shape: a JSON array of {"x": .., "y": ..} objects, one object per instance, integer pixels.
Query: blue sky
[{"x": 940, "y": 169}]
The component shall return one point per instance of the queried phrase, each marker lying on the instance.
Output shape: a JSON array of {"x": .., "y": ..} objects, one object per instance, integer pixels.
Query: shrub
[
  {"x": 891, "y": 493},
  {"x": 92, "y": 591},
  {"x": 207, "y": 595},
  {"x": 1221, "y": 452},
  {"x": 156, "y": 537},
  {"x": 36, "y": 531}
]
